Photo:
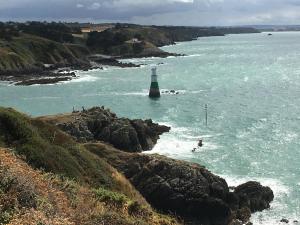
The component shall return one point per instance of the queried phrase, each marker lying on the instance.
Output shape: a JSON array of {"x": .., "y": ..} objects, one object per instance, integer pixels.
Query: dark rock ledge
[
  {"x": 100, "y": 124},
  {"x": 186, "y": 189}
]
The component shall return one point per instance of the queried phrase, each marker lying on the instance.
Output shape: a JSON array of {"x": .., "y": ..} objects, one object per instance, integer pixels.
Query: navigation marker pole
[{"x": 206, "y": 115}]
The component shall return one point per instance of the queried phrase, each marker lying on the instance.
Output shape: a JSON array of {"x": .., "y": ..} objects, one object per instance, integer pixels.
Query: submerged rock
[{"x": 284, "y": 220}]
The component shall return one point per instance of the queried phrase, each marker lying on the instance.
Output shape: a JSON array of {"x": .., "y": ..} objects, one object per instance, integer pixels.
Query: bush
[{"x": 110, "y": 197}]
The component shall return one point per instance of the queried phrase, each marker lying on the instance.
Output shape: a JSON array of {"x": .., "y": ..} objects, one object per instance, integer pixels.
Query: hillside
[
  {"x": 117, "y": 177},
  {"x": 151, "y": 37},
  {"x": 28, "y": 53},
  {"x": 75, "y": 187},
  {"x": 29, "y": 196}
]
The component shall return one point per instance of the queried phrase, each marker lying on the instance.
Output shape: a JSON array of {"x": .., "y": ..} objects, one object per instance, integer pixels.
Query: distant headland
[{"x": 43, "y": 53}]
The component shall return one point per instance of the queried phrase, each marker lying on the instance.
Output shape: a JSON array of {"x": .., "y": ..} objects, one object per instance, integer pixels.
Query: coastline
[
  {"x": 59, "y": 73},
  {"x": 42, "y": 63},
  {"x": 225, "y": 204},
  {"x": 260, "y": 218}
]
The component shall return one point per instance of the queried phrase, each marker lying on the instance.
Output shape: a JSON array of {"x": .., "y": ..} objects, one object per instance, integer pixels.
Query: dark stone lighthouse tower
[{"x": 154, "y": 88}]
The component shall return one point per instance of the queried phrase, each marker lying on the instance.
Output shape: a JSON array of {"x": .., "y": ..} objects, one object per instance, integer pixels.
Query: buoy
[
  {"x": 154, "y": 88},
  {"x": 200, "y": 143}
]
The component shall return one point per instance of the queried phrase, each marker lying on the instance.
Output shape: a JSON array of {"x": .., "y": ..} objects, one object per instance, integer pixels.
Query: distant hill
[
  {"x": 27, "y": 48},
  {"x": 276, "y": 28}
]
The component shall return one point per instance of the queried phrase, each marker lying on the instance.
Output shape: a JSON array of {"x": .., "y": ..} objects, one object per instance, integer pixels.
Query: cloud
[
  {"x": 94, "y": 6},
  {"x": 79, "y": 5},
  {"x": 174, "y": 12}
]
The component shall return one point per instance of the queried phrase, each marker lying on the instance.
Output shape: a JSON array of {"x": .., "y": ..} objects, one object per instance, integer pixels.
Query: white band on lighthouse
[{"x": 154, "y": 75}]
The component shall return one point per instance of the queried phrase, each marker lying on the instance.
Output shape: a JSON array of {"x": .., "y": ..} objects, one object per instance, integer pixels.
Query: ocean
[{"x": 251, "y": 85}]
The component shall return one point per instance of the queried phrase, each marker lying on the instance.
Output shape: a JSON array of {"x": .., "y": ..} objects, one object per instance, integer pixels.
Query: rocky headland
[
  {"x": 100, "y": 124},
  {"x": 187, "y": 190}
]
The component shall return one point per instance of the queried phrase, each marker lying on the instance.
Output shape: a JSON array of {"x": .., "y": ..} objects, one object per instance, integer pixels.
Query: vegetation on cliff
[
  {"x": 30, "y": 53},
  {"x": 45, "y": 174},
  {"x": 29, "y": 196},
  {"x": 89, "y": 190}
]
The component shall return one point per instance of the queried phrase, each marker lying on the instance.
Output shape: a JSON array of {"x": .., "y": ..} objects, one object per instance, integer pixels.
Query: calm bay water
[{"x": 251, "y": 84}]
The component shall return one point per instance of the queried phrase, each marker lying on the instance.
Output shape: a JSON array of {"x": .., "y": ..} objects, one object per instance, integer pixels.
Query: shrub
[{"x": 110, "y": 197}]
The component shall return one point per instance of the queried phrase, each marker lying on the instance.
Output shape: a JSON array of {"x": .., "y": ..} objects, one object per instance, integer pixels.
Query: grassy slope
[
  {"x": 47, "y": 148},
  {"x": 27, "y": 51},
  {"x": 29, "y": 196},
  {"x": 44, "y": 147}
]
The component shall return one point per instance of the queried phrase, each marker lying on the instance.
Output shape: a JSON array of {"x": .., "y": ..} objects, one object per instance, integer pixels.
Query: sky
[{"x": 156, "y": 12}]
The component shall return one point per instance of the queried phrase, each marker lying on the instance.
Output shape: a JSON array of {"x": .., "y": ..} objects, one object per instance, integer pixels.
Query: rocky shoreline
[
  {"x": 187, "y": 190},
  {"x": 57, "y": 73},
  {"x": 52, "y": 74}
]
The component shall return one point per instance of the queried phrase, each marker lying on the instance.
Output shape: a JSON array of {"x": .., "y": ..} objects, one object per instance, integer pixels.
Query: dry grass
[
  {"x": 30, "y": 196},
  {"x": 78, "y": 188}
]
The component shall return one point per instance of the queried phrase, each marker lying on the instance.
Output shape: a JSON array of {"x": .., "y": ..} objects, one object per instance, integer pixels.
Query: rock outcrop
[
  {"x": 254, "y": 196},
  {"x": 99, "y": 124},
  {"x": 187, "y": 189}
]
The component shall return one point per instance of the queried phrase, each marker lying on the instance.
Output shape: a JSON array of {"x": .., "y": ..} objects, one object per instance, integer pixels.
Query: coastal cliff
[
  {"x": 185, "y": 189},
  {"x": 94, "y": 181}
]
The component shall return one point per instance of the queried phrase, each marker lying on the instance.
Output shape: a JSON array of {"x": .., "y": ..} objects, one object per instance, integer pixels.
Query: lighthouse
[{"x": 154, "y": 88}]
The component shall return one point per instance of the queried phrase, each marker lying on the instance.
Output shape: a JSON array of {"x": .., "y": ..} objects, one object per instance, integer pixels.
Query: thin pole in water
[{"x": 206, "y": 115}]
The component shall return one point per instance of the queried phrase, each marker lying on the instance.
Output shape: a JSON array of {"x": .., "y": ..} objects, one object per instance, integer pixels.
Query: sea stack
[{"x": 154, "y": 88}]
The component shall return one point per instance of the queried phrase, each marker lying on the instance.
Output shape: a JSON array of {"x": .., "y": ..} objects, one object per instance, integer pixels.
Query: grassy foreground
[{"x": 47, "y": 178}]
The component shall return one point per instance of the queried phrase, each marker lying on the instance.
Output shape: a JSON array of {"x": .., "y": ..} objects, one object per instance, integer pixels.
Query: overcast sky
[{"x": 159, "y": 12}]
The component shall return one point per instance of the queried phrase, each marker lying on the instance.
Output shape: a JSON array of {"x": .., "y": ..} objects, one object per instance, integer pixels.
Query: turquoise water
[{"x": 251, "y": 84}]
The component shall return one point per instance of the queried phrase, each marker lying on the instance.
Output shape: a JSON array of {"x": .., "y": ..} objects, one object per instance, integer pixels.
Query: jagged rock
[
  {"x": 99, "y": 124},
  {"x": 186, "y": 189},
  {"x": 254, "y": 196}
]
